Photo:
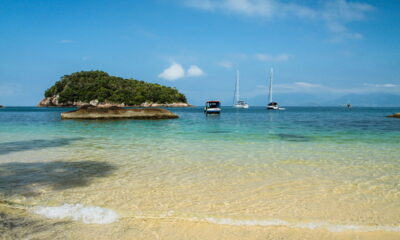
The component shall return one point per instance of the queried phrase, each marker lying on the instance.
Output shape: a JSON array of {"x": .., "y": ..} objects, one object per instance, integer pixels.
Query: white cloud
[
  {"x": 296, "y": 87},
  {"x": 176, "y": 71},
  {"x": 335, "y": 13},
  {"x": 260, "y": 8},
  {"x": 338, "y": 13},
  {"x": 385, "y": 85},
  {"x": 307, "y": 85},
  {"x": 313, "y": 88},
  {"x": 346, "y": 11},
  {"x": 225, "y": 64},
  {"x": 66, "y": 41},
  {"x": 299, "y": 87},
  {"x": 9, "y": 89},
  {"x": 173, "y": 72},
  {"x": 270, "y": 58},
  {"x": 194, "y": 71}
]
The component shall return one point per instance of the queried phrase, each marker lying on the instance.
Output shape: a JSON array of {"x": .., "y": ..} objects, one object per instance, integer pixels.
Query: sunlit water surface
[{"x": 248, "y": 173}]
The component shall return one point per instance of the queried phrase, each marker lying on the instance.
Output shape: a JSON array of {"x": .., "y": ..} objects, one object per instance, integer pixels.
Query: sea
[{"x": 302, "y": 173}]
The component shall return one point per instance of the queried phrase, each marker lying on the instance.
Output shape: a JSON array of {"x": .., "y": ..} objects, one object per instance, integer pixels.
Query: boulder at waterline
[
  {"x": 90, "y": 112},
  {"x": 396, "y": 115}
]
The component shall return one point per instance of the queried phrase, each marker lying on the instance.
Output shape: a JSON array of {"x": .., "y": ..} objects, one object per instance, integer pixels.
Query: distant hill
[
  {"x": 368, "y": 100},
  {"x": 291, "y": 99},
  {"x": 98, "y": 87}
]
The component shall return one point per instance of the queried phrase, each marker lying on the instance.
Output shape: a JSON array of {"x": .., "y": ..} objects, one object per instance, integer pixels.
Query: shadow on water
[
  {"x": 218, "y": 131},
  {"x": 294, "y": 138},
  {"x": 18, "y": 146},
  {"x": 28, "y": 178},
  {"x": 14, "y": 225}
]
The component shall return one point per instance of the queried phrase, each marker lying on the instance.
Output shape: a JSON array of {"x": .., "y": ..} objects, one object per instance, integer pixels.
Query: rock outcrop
[
  {"x": 396, "y": 115},
  {"x": 54, "y": 102},
  {"x": 91, "y": 112},
  {"x": 146, "y": 104},
  {"x": 1, "y": 106}
]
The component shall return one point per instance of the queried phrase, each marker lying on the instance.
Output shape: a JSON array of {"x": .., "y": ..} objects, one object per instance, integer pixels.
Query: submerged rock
[
  {"x": 90, "y": 112},
  {"x": 293, "y": 137},
  {"x": 396, "y": 115}
]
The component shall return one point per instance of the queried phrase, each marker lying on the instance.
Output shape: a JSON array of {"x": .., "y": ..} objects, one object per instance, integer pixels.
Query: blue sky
[{"x": 324, "y": 49}]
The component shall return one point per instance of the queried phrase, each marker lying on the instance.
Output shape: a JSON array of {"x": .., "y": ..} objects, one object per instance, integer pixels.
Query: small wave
[
  {"x": 78, "y": 212},
  {"x": 278, "y": 222},
  {"x": 310, "y": 225}
]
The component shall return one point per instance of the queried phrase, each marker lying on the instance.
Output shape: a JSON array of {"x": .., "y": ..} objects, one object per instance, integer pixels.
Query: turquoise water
[
  {"x": 338, "y": 125},
  {"x": 326, "y": 166}
]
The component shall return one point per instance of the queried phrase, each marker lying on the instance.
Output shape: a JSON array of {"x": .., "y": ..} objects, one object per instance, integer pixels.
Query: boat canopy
[
  {"x": 273, "y": 104},
  {"x": 213, "y": 104}
]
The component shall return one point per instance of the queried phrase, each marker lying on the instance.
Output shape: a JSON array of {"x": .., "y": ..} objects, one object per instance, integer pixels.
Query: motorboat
[{"x": 212, "y": 107}]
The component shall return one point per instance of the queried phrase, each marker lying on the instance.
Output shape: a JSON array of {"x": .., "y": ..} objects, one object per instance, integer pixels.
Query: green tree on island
[{"x": 90, "y": 85}]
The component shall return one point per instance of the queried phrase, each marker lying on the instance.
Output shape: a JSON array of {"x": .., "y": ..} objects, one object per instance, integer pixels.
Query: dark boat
[{"x": 212, "y": 107}]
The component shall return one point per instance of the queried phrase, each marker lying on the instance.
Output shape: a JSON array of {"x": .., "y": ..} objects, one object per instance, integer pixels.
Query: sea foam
[
  {"x": 306, "y": 225},
  {"x": 78, "y": 212}
]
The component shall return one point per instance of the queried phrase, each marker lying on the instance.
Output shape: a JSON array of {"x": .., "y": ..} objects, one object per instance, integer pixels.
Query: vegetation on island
[{"x": 86, "y": 86}]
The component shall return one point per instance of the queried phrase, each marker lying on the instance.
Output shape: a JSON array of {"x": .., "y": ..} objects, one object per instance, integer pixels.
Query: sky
[{"x": 319, "y": 49}]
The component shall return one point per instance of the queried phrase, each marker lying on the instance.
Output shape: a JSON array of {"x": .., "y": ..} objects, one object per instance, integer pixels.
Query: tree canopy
[{"x": 90, "y": 85}]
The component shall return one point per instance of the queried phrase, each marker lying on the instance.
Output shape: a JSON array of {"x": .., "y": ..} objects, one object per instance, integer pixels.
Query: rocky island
[
  {"x": 396, "y": 115},
  {"x": 98, "y": 88},
  {"x": 1, "y": 106},
  {"x": 91, "y": 112}
]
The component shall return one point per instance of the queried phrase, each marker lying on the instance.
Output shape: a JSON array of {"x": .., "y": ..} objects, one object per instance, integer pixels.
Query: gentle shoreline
[{"x": 302, "y": 174}]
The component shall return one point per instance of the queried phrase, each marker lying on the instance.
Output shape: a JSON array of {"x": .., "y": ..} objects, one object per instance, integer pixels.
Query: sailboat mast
[
  {"x": 237, "y": 86},
  {"x": 270, "y": 84}
]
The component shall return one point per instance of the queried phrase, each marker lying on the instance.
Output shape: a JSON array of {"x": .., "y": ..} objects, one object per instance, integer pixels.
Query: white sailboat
[
  {"x": 237, "y": 103},
  {"x": 272, "y": 105}
]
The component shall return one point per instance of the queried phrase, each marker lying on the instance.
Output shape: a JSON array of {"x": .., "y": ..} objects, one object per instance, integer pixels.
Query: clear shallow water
[{"x": 320, "y": 169}]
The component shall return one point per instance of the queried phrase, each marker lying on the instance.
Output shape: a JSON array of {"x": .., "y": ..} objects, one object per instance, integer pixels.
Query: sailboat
[
  {"x": 237, "y": 103},
  {"x": 272, "y": 105}
]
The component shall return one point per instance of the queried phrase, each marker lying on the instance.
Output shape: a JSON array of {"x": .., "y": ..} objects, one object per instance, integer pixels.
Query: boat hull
[
  {"x": 241, "y": 106},
  {"x": 274, "y": 108},
  {"x": 212, "y": 110}
]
